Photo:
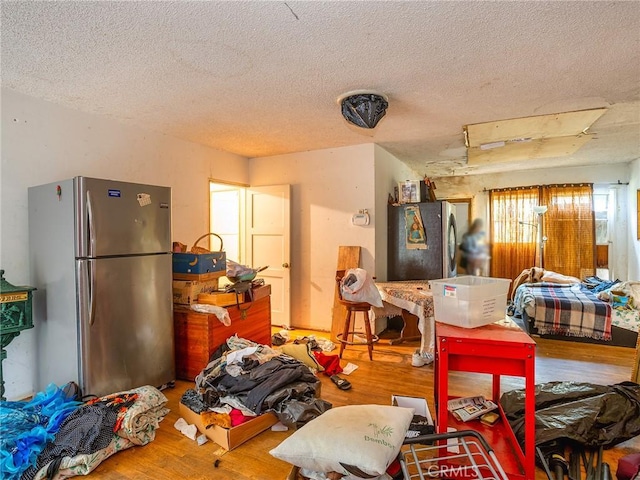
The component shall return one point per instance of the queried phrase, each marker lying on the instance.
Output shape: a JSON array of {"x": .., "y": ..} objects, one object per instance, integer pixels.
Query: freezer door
[
  {"x": 118, "y": 218},
  {"x": 126, "y": 323}
]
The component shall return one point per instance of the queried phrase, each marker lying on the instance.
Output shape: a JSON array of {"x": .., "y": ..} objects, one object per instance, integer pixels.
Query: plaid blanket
[{"x": 570, "y": 310}]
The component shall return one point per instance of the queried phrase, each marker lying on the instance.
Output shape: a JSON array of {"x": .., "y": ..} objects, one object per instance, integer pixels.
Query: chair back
[{"x": 339, "y": 277}]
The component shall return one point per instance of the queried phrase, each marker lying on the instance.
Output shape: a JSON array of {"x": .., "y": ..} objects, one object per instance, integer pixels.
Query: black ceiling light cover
[{"x": 364, "y": 109}]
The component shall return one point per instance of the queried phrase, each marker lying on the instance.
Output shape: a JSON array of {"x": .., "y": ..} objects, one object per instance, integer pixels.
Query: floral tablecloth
[{"x": 415, "y": 297}]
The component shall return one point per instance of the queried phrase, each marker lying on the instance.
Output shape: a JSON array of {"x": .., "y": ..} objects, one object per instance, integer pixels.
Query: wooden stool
[{"x": 353, "y": 308}]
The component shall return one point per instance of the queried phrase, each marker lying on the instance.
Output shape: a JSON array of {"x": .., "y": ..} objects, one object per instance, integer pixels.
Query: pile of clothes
[
  {"x": 57, "y": 435},
  {"x": 253, "y": 379}
]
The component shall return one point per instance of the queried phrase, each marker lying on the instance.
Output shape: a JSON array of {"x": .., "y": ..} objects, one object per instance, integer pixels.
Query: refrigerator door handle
[
  {"x": 92, "y": 290},
  {"x": 86, "y": 290},
  {"x": 91, "y": 239}
]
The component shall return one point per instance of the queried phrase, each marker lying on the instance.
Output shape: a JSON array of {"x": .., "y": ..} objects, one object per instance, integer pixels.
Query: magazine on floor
[{"x": 468, "y": 408}]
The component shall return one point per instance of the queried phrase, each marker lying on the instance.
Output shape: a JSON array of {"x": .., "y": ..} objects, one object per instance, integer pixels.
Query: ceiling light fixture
[{"x": 363, "y": 108}]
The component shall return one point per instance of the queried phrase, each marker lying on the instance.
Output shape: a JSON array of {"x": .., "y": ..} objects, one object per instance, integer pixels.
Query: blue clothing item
[
  {"x": 27, "y": 426},
  {"x": 596, "y": 284}
]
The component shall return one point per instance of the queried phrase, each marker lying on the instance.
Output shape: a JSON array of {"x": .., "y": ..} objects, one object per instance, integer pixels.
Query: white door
[{"x": 268, "y": 237}]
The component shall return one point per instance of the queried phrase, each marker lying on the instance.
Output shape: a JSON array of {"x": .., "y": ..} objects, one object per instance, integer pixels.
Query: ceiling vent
[{"x": 364, "y": 109}]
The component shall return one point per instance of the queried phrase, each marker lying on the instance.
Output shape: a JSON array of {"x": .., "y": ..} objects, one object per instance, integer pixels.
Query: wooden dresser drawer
[{"x": 198, "y": 335}]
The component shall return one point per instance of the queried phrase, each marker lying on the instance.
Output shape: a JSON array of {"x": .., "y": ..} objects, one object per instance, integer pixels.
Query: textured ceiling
[{"x": 262, "y": 78}]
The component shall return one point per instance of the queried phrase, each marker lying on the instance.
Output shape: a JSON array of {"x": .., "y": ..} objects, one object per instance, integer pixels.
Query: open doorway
[
  {"x": 226, "y": 218},
  {"x": 254, "y": 224}
]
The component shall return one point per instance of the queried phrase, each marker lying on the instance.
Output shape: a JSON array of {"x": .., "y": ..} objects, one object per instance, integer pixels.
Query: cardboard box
[
  {"x": 199, "y": 277},
  {"x": 293, "y": 474},
  {"x": 186, "y": 292},
  {"x": 229, "y": 438},
  {"x": 199, "y": 263},
  {"x": 469, "y": 301},
  {"x": 223, "y": 299},
  {"x": 418, "y": 404},
  {"x": 220, "y": 298}
]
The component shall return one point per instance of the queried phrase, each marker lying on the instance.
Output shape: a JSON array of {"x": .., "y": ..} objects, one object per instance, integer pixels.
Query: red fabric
[
  {"x": 330, "y": 363},
  {"x": 237, "y": 418},
  {"x": 628, "y": 467},
  {"x": 394, "y": 469}
]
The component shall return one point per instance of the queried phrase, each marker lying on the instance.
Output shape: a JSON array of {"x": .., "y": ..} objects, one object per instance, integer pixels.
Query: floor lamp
[
  {"x": 540, "y": 210},
  {"x": 535, "y": 252}
]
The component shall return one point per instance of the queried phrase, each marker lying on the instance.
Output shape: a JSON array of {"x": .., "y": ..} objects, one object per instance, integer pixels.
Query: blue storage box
[
  {"x": 200, "y": 260},
  {"x": 198, "y": 263}
]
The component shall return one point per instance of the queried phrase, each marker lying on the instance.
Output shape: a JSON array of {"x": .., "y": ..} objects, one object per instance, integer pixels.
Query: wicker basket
[{"x": 199, "y": 250}]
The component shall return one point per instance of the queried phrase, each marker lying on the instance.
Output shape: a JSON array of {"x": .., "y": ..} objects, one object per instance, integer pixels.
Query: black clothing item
[
  {"x": 194, "y": 401},
  {"x": 284, "y": 377},
  {"x": 219, "y": 351},
  {"x": 282, "y": 385},
  {"x": 87, "y": 430},
  {"x": 255, "y": 385},
  {"x": 419, "y": 425}
]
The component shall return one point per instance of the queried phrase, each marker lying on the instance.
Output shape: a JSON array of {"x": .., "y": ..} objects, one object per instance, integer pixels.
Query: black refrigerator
[{"x": 422, "y": 241}]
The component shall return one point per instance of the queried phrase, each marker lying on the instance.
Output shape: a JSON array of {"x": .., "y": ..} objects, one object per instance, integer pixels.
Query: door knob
[{"x": 285, "y": 265}]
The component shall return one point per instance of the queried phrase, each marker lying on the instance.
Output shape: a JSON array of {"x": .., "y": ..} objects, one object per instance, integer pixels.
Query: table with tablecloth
[{"x": 413, "y": 296}]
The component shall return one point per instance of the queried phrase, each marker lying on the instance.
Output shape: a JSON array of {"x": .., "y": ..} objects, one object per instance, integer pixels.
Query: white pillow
[{"x": 356, "y": 440}]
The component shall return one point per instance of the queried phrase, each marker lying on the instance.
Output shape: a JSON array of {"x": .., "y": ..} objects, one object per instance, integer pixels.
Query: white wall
[
  {"x": 327, "y": 188},
  {"x": 634, "y": 242},
  {"x": 389, "y": 171},
  {"x": 43, "y": 142},
  {"x": 476, "y": 186}
]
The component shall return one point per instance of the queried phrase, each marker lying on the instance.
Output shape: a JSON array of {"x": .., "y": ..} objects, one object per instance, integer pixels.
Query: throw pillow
[{"x": 356, "y": 440}]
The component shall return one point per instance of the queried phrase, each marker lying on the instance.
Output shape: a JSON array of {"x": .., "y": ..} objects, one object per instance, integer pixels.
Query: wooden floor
[{"x": 173, "y": 456}]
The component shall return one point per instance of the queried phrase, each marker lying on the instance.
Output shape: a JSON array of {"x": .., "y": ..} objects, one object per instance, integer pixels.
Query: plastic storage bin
[{"x": 468, "y": 301}]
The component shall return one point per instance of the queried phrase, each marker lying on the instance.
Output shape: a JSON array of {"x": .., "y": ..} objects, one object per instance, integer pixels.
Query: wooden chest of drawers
[{"x": 198, "y": 335}]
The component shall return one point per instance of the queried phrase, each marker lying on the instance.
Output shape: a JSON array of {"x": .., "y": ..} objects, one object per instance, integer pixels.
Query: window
[
  {"x": 601, "y": 211},
  {"x": 570, "y": 228},
  {"x": 561, "y": 239},
  {"x": 513, "y": 231}
]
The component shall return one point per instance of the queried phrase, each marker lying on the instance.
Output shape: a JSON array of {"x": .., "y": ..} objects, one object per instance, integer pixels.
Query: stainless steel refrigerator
[{"x": 100, "y": 257}]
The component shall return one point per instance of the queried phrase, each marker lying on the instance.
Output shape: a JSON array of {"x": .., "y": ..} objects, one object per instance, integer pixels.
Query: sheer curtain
[
  {"x": 513, "y": 230},
  {"x": 568, "y": 225}
]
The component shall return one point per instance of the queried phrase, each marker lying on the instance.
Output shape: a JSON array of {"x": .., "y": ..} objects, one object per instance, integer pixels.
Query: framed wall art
[{"x": 409, "y": 191}]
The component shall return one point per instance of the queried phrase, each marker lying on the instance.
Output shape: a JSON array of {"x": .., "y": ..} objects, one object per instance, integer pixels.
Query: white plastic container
[{"x": 469, "y": 301}]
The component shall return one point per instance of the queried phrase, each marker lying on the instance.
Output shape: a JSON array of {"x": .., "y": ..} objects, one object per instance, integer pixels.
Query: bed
[{"x": 574, "y": 312}]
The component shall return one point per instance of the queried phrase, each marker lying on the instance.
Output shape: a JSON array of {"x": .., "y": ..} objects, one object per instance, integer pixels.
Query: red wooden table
[{"x": 501, "y": 348}]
